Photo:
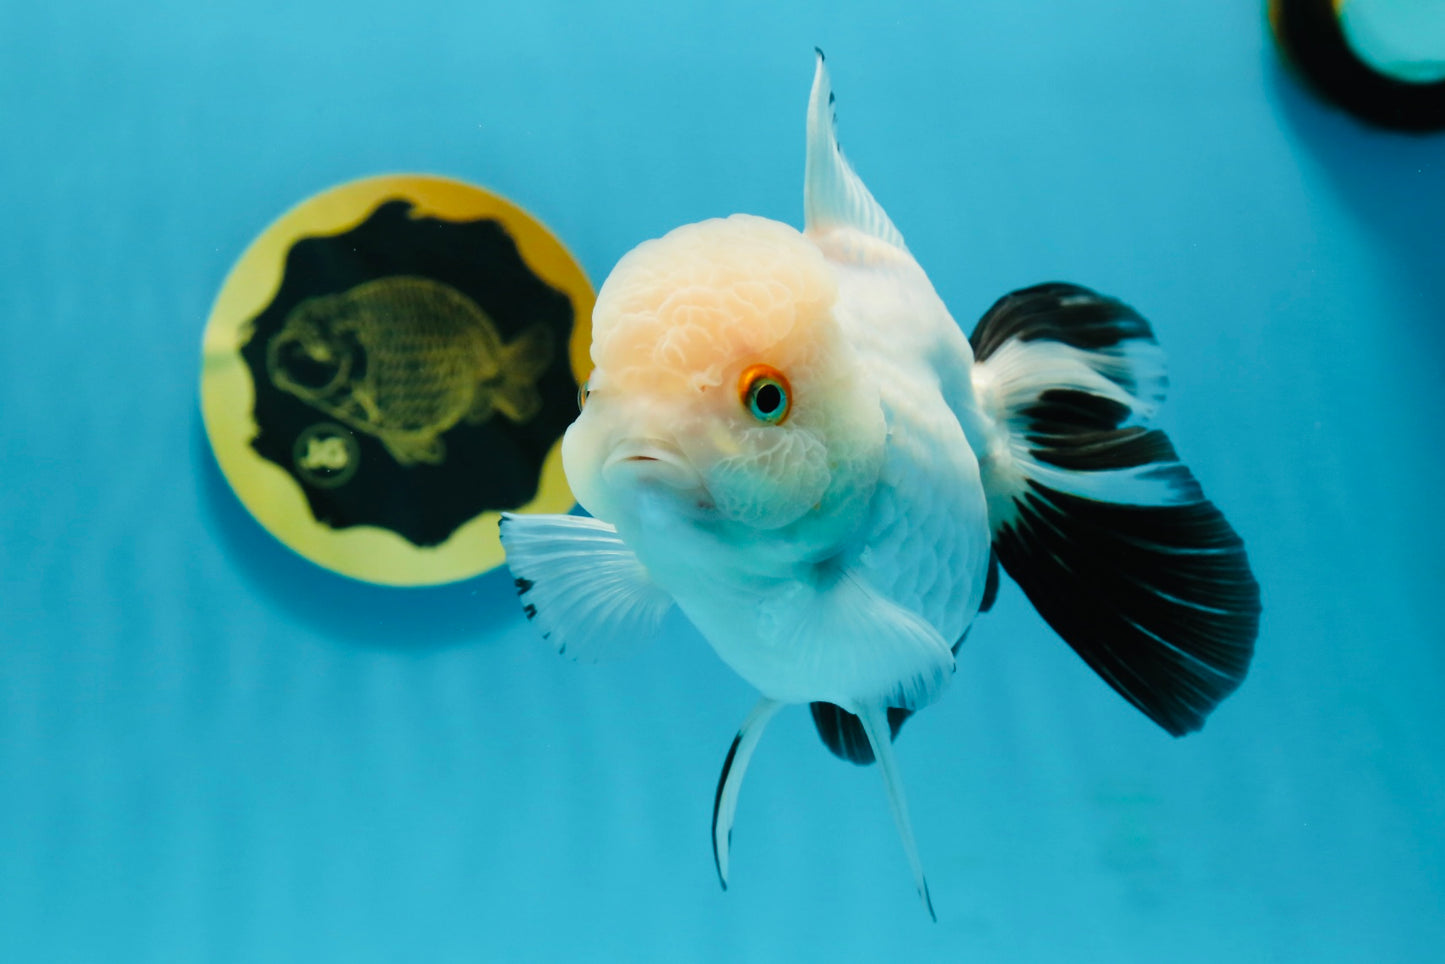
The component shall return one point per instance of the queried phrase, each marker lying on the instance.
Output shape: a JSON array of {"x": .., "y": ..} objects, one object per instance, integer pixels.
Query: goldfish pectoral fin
[
  {"x": 852, "y": 645},
  {"x": 1094, "y": 515},
  {"x": 875, "y": 724},
  {"x": 730, "y": 781},
  {"x": 582, "y": 586},
  {"x": 834, "y": 196}
]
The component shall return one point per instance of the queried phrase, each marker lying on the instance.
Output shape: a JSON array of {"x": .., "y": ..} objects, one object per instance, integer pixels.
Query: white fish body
[
  {"x": 912, "y": 528},
  {"x": 787, "y": 437}
]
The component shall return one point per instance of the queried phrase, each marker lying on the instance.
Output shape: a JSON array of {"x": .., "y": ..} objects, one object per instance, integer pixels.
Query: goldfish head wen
[{"x": 724, "y": 392}]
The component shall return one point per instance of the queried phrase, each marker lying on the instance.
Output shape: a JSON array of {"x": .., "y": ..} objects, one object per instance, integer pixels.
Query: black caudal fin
[
  {"x": 843, "y": 733},
  {"x": 1158, "y": 600},
  {"x": 1094, "y": 515}
]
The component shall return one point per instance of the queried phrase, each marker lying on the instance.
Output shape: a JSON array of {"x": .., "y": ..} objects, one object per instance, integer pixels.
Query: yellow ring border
[{"x": 268, "y": 492}]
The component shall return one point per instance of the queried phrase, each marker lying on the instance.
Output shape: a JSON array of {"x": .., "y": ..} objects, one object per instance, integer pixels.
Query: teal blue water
[{"x": 211, "y": 750}]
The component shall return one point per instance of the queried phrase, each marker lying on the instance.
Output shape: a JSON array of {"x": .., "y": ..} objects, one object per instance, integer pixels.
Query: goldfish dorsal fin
[
  {"x": 582, "y": 586},
  {"x": 834, "y": 196}
]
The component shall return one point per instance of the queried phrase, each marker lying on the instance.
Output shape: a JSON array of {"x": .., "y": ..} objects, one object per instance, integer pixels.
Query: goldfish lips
[{"x": 655, "y": 464}]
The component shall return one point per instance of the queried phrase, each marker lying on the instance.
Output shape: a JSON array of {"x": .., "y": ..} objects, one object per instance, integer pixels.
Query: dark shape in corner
[{"x": 1313, "y": 40}]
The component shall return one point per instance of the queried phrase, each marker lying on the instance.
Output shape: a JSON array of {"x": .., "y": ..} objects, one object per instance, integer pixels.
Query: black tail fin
[{"x": 1095, "y": 517}]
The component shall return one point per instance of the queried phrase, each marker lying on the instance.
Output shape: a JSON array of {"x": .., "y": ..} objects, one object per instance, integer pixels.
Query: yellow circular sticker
[{"x": 389, "y": 366}]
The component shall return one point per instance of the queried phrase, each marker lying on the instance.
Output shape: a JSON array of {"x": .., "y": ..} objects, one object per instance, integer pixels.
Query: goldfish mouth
[{"x": 653, "y": 461}]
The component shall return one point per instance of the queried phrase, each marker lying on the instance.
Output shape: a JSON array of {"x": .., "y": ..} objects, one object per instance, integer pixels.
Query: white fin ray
[
  {"x": 875, "y": 724},
  {"x": 1097, "y": 359},
  {"x": 834, "y": 197},
  {"x": 849, "y": 644},
  {"x": 730, "y": 781},
  {"x": 583, "y": 587}
]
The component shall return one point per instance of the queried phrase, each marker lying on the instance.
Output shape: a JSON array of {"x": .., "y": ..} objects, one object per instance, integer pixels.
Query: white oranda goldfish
[{"x": 787, "y": 436}]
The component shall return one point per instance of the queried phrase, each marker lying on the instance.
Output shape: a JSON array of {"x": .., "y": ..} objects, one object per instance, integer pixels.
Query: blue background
[{"x": 211, "y": 750}]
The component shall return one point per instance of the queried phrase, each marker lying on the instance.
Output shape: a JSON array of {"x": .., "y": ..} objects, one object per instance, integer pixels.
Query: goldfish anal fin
[
  {"x": 1093, "y": 514},
  {"x": 842, "y": 732},
  {"x": 582, "y": 586},
  {"x": 834, "y": 197}
]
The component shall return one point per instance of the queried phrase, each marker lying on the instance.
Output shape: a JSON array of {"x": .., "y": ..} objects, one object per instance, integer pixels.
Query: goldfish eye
[
  {"x": 582, "y": 392},
  {"x": 766, "y": 394}
]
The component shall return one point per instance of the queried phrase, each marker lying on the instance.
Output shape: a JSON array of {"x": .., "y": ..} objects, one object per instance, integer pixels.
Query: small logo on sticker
[{"x": 326, "y": 455}]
